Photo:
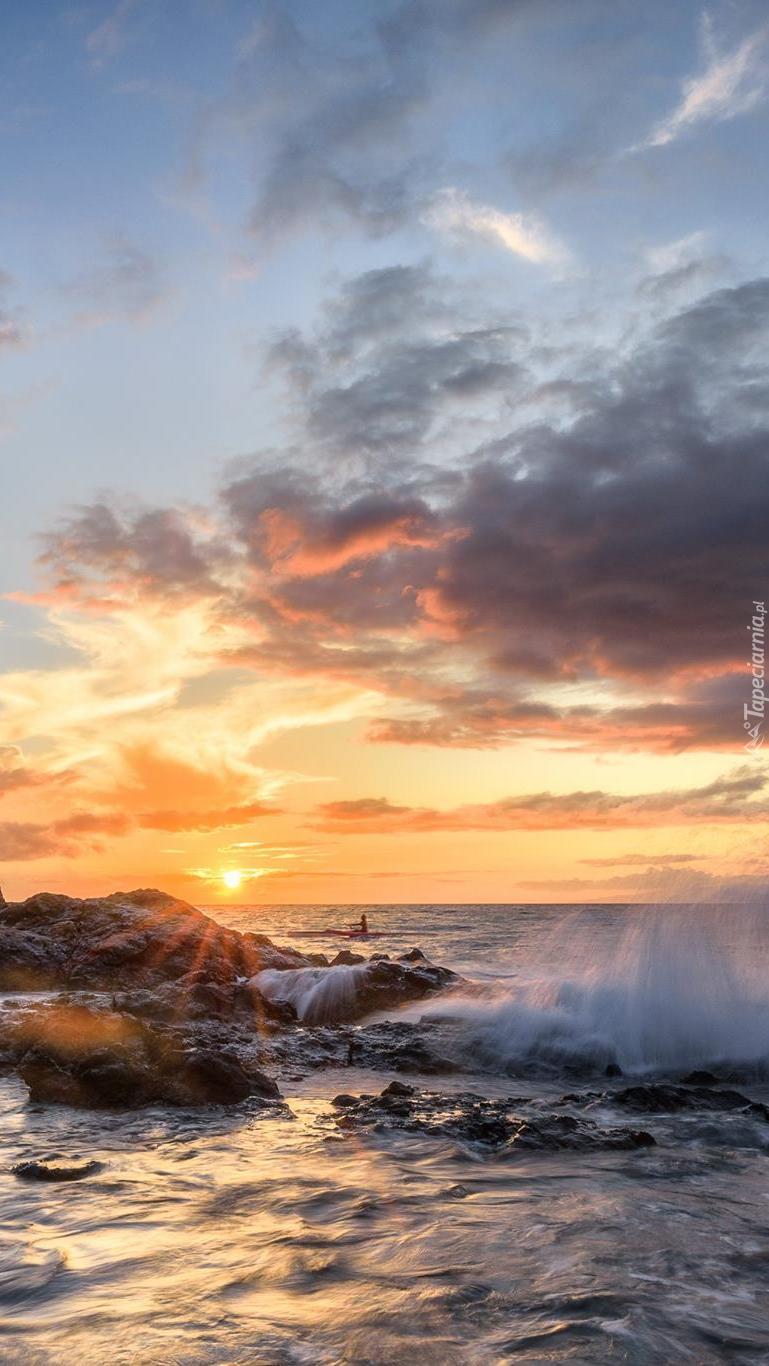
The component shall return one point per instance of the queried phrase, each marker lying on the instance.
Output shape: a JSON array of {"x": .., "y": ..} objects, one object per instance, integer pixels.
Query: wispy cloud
[
  {"x": 451, "y": 211},
  {"x": 730, "y": 799},
  {"x": 108, "y": 37},
  {"x": 732, "y": 83}
]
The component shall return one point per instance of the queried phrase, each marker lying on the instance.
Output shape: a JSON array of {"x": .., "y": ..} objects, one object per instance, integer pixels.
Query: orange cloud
[{"x": 729, "y": 799}]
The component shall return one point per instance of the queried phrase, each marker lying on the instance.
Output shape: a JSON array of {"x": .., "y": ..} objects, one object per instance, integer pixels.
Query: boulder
[{"x": 104, "y": 1060}]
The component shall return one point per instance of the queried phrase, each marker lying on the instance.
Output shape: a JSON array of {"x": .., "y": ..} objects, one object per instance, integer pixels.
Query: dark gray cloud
[
  {"x": 156, "y": 549},
  {"x": 395, "y": 356},
  {"x": 620, "y": 546},
  {"x": 350, "y": 126}
]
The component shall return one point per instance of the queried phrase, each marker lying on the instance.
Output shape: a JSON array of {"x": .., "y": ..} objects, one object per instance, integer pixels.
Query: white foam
[
  {"x": 684, "y": 988},
  {"x": 318, "y": 995}
]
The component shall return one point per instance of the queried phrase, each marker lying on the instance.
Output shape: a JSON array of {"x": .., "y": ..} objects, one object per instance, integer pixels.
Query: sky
[{"x": 384, "y": 439}]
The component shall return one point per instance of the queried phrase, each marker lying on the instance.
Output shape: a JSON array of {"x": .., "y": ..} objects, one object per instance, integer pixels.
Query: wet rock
[
  {"x": 206, "y": 1078},
  {"x": 346, "y": 956},
  {"x": 398, "y": 1088},
  {"x": 49, "y": 1171},
  {"x": 667, "y": 1098},
  {"x": 346, "y": 992},
  {"x": 104, "y": 1060},
  {"x": 413, "y": 956},
  {"x": 495, "y": 1126},
  {"x": 700, "y": 1078},
  {"x": 555, "y": 1133}
]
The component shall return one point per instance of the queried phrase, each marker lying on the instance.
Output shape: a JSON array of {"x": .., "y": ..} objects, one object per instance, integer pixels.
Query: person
[{"x": 363, "y": 923}]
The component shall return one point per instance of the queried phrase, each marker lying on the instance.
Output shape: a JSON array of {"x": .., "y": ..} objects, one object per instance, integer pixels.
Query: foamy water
[{"x": 225, "y": 1237}]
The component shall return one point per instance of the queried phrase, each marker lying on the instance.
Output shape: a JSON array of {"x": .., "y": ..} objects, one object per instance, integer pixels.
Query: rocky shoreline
[
  {"x": 138, "y": 999},
  {"x": 151, "y": 1002}
]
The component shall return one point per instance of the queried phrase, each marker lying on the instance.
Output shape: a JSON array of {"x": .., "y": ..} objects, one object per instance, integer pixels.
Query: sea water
[{"x": 230, "y": 1237}]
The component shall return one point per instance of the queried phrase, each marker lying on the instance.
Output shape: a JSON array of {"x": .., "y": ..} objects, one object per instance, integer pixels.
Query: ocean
[{"x": 231, "y": 1237}]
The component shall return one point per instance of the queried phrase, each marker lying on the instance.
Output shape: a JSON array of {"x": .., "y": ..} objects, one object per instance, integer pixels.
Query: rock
[
  {"x": 103, "y": 1060},
  {"x": 345, "y": 992},
  {"x": 344, "y": 1100},
  {"x": 206, "y": 1078},
  {"x": 556, "y": 1133},
  {"x": 700, "y": 1078},
  {"x": 143, "y": 939},
  {"x": 173, "y": 963},
  {"x": 494, "y": 1126},
  {"x": 666, "y": 1098},
  {"x": 386, "y": 985},
  {"x": 398, "y": 1088},
  {"x": 48, "y": 1171},
  {"x": 346, "y": 956}
]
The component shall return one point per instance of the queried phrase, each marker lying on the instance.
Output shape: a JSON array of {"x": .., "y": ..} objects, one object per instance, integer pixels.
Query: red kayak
[{"x": 341, "y": 934}]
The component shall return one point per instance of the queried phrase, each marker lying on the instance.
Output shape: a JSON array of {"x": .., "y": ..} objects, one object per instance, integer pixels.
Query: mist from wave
[{"x": 681, "y": 987}]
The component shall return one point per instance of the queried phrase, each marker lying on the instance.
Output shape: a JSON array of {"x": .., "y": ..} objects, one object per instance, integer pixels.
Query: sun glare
[{"x": 232, "y": 879}]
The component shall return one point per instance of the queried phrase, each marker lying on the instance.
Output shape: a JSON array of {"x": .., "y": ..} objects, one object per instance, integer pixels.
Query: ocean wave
[{"x": 683, "y": 989}]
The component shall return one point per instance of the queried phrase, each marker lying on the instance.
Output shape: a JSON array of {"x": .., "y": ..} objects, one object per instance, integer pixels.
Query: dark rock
[
  {"x": 143, "y": 939},
  {"x": 344, "y": 1100},
  {"x": 346, "y": 957},
  {"x": 358, "y": 990},
  {"x": 103, "y": 1060},
  {"x": 554, "y": 1133},
  {"x": 666, "y": 1098},
  {"x": 698, "y": 1078},
  {"x": 175, "y": 964},
  {"x": 48, "y": 1171},
  {"x": 206, "y": 1078},
  {"x": 613, "y": 1069},
  {"x": 494, "y": 1126}
]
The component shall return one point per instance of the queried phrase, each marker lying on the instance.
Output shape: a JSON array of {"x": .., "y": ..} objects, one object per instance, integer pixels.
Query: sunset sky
[{"x": 385, "y": 448}]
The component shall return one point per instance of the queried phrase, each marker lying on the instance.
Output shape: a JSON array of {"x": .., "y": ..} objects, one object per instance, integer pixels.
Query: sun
[{"x": 232, "y": 879}]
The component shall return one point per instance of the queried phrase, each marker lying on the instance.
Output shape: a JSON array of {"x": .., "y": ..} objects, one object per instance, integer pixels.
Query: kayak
[{"x": 341, "y": 934}]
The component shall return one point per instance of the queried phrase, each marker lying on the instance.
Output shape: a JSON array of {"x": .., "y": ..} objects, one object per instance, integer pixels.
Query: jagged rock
[
  {"x": 346, "y": 956},
  {"x": 189, "y": 966},
  {"x": 142, "y": 939},
  {"x": 493, "y": 1125},
  {"x": 49, "y": 1171}
]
